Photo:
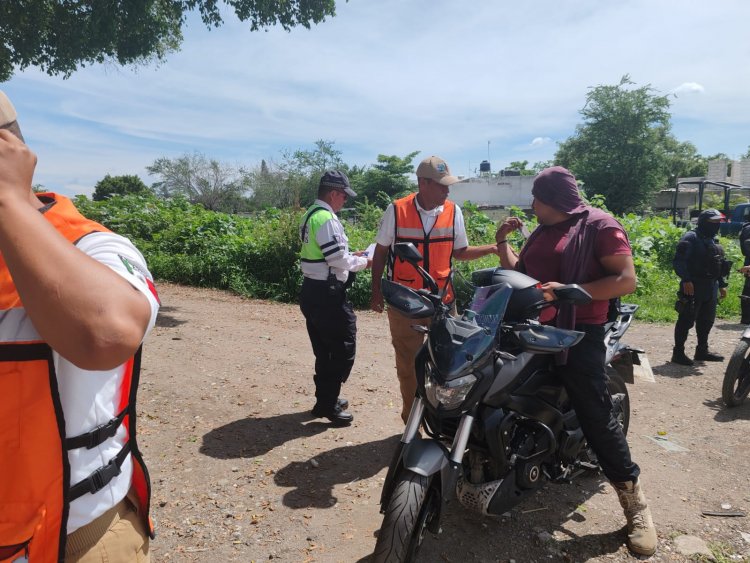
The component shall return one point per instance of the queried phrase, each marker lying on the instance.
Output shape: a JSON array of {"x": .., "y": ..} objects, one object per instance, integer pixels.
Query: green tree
[
  {"x": 270, "y": 188},
  {"x": 60, "y": 36},
  {"x": 302, "y": 169},
  {"x": 388, "y": 176},
  {"x": 216, "y": 185},
  {"x": 521, "y": 165},
  {"x": 537, "y": 167},
  {"x": 118, "y": 185},
  {"x": 746, "y": 154},
  {"x": 683, "y": 161},
  {"x": 293, "y": 182},
  {"x": 620, "y": 150}
]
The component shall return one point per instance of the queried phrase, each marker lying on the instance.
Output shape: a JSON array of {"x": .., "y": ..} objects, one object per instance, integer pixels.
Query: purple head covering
[{"x": 558, "y": 188}]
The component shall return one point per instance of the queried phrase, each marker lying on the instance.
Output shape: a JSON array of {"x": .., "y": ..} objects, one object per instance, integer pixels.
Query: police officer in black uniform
[
  {"x": 700, "y": 264},
  {"x": 745, "y": 297}
]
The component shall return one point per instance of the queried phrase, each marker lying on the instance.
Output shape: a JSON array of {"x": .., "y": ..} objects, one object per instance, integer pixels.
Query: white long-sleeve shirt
[{"x": 334, "y": 244}]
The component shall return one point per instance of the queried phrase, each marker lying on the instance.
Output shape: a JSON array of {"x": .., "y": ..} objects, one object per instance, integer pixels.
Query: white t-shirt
[
  {"x": 91, "y": 398},
  {"x": 387, "y": 230}
]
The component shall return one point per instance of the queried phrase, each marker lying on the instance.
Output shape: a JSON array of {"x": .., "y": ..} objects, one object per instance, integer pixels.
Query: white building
[{"x": 494, "y": 191}]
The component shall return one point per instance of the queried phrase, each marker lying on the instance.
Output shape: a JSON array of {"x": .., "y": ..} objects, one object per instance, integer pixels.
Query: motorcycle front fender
[
  {"x": 424, "y": 457},
  {"x": 428, "y": 457}
]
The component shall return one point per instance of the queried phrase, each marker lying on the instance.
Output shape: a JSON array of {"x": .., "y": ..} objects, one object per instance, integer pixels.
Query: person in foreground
[
  {"x": 77, "y": 302},
  {"x": 576, "y": 243},
  {"x": 699, "y": 263},
  {"x": 436, "y": 227},
  {"x": 328, "y": 270}
]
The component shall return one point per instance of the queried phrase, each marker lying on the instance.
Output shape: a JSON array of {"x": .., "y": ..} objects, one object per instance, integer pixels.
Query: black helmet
[{"x": 526, "y": 298}]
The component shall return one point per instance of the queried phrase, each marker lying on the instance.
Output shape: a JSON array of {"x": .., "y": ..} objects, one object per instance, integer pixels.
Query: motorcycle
[
  {"x": 498, "y": 421},
  {"x": 736, "y": 385}
]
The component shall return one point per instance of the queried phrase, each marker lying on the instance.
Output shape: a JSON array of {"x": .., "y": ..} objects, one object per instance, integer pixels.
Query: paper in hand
[{"x": 525, "y": 231}]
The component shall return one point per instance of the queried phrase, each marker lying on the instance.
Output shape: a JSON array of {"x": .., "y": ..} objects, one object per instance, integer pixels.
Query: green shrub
[{"x": 257, "y": 256}]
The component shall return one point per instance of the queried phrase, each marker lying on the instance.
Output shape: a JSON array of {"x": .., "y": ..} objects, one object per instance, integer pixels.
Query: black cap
[
  {"x": 337, "y": 180},
  {"x": 711, "y": 215}
]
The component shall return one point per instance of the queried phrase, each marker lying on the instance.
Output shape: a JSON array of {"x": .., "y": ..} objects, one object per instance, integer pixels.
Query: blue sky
[{"x": 391, "y": 77}]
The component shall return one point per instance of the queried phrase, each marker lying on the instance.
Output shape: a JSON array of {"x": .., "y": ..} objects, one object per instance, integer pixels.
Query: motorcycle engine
[{"x": 528, "y": 473}]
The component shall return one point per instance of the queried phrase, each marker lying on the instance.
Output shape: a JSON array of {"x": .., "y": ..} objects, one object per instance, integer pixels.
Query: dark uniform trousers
[
  {"x": 585, "y": 381},
  {"x": 745, "y": 301},
  {"x": 702, "y": 315},
  {"x": 332, "y": 327}
]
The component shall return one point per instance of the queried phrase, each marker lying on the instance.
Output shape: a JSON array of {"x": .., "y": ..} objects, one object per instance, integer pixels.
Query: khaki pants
[
  {"x": 117, "y": 536},
  {"x": 406, "y": 343}
]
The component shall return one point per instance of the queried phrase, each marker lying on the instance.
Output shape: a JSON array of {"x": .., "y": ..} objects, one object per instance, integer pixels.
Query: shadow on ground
[
  {"x": 734, "y": 327},
  {"x": 727, "y": 414},
  {"x": 313, "y": 486},
  {"x": 165, "y": 320},
  {"x": 676, "y": 371},
  {"x": 253, "y": 437},
  {"x": 539, "y": 527}
]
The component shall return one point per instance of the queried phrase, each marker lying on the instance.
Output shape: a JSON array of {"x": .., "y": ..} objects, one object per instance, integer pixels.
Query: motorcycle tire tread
[
  {"x": 408, "y": 497},
  {"x": 732, "y": 374}
]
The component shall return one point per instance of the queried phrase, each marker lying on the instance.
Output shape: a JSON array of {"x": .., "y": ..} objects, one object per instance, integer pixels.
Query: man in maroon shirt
[{"x": 575, "y": 243}]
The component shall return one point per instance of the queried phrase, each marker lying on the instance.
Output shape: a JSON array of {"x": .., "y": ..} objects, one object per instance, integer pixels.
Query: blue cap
[{"x": 337, "y": 180}]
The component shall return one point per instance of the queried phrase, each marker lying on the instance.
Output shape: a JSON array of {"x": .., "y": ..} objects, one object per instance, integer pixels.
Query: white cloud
[
  {"x": 540, "y": 142},
  {"x": 689, "y": 88},
  {"x": 373, "y": 82}
]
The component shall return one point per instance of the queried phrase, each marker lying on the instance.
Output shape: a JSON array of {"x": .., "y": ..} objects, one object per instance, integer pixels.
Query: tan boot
[{"x": 641, "y": 530}]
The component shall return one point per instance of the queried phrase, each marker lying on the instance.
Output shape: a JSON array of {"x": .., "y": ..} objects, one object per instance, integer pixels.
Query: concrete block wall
[
  {"x": 717, "y": 170},
  {"x": 743, "y": 176}
]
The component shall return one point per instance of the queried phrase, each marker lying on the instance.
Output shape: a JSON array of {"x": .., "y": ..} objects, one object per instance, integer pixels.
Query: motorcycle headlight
[{"x": 450, "y": 395}]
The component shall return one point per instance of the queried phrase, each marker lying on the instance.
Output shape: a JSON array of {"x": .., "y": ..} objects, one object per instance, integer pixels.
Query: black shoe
[
  {"x": 342, "y": 403},
  {"x": 336, "y": 415},
  {"x": 679, "y": 357},
  {"x": 706, "y": 356}
]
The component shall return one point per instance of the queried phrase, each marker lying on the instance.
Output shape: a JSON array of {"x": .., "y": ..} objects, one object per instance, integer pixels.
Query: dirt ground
[{"x": 242, "y": 472}]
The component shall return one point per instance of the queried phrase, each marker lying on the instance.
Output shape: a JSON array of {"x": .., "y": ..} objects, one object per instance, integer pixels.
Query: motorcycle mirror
[
  {"x": 408, "y": 252},
  {"x": 572, "y": 293}
]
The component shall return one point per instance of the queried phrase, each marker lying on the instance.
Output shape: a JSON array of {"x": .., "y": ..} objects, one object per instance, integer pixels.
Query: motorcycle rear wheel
[
  {"x": 736, "y": 384},
  {"x": 621, "y": 411},
  {"x": 410, "y": 508}
]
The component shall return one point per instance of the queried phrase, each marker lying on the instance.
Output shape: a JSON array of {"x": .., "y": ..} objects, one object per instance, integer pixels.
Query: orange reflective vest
[
  {"x": 35, "y": 490},
  {"x": 436, "y": 246}
]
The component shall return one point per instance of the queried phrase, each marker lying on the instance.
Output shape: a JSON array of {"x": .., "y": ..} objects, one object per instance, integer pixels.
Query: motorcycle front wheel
[
  {"x": 620, "y": 400},
  {"x": 736, "y": 384},
  {"x": 410, "y": 509}
]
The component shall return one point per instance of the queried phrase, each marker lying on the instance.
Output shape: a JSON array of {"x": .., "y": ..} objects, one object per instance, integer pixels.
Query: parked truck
[{"x": 736, "y": 214}]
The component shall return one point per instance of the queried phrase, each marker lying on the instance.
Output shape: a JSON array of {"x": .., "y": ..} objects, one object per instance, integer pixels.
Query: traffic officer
[
  {"x": 328, "y": 269},
  {"x": 700, "y": 264}
]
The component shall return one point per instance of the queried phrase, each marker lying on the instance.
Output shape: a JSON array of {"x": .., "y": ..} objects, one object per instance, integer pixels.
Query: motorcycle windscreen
[
  {"x": 406, "y": 300},
  {"x": 455, "y": 345}
]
